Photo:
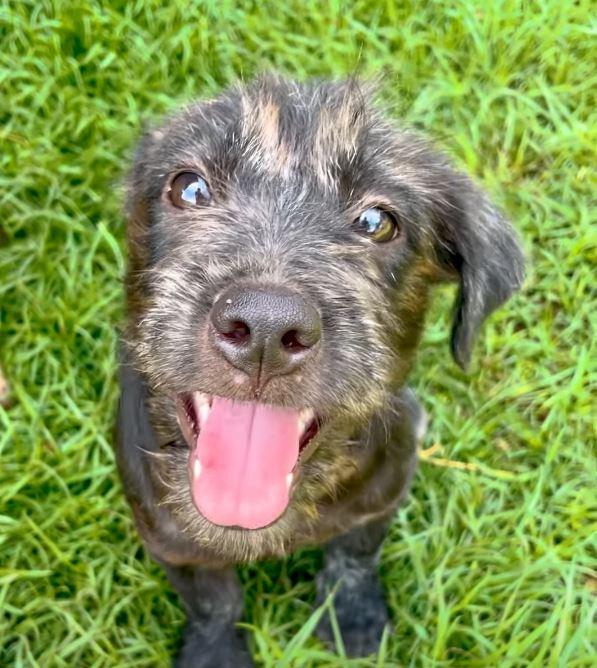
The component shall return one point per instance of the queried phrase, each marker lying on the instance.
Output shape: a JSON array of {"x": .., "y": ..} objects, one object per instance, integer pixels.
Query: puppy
[{"x": 283, "y": 241}]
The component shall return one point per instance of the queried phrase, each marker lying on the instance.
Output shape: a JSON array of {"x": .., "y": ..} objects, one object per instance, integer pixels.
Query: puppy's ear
[{"x": 482, "y": 248}]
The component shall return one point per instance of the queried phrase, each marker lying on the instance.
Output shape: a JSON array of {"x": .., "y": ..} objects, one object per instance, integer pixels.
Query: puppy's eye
[
  {"x": 377, "y": 224},
  {"x": 189, "y": 189}
]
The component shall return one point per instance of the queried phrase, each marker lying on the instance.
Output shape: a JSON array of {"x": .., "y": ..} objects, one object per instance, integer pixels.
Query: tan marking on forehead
[
  {"x": 261, "y": 122},
  {"x": 267, "y": 120},
  {"x": 336, "y": 133}
]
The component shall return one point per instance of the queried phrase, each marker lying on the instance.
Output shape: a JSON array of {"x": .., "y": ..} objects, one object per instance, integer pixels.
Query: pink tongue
[{"x": 246, "y": 452}]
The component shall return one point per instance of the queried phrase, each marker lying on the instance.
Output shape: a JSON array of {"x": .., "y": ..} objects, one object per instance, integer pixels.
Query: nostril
[
  {"x": 291, "y": 342},
  {"x": 236, "y": 331},
  {"x": 295, "y": 341}
]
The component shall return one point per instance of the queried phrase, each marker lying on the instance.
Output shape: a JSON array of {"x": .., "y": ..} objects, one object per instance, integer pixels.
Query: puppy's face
[{"x": 283, "y": 238}]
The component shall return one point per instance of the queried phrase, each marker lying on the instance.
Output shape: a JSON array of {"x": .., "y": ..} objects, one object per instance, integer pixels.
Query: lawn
[{"x": 490, "y": 562}]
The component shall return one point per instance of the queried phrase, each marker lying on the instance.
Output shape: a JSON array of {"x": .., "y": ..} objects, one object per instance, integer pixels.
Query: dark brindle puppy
[{"x": 283, "y": 240}]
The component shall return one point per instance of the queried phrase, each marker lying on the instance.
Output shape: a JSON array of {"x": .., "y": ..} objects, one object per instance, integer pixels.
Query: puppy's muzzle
[{"x": 265, "y": 331}]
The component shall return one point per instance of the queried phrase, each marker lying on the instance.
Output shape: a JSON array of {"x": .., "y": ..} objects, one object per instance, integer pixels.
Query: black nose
[{"x": 265, "y": 331}]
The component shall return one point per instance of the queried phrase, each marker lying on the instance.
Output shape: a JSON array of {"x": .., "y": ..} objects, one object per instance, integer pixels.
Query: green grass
[{"x": 487, "y": 565}]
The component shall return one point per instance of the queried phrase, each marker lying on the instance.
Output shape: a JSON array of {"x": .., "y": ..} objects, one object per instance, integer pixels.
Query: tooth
[
  {"x": 289, "y": 478},
  {"x": 196, "y": 469},
  {"x": 305, "y": 416},
  {"x": 202, "y": 406},
  {"x": 203, "y": 414}
]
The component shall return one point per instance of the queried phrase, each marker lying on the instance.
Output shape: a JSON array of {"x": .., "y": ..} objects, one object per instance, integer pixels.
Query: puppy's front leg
[
  {"x": 213, "y": 600},
  {"x": 359, "y": 603}
]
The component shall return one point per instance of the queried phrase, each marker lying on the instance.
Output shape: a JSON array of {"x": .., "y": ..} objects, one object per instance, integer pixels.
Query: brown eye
[
  {"x": 377, "y": 224},
  {"x": 189, "y": 189}
]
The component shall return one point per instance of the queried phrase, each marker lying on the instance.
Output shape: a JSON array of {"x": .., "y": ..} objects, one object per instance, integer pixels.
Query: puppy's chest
[{"x": 376, "y": 487}]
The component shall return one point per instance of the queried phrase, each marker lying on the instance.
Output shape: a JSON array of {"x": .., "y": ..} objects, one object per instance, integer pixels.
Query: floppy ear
[{"x": 482, "y": 247}]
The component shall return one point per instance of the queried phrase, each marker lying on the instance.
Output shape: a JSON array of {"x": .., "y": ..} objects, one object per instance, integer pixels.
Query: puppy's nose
[{"x": 265, "y": 331}]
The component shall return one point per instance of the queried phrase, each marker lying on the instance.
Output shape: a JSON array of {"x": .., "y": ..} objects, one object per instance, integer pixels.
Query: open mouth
[{"x": 243, "y": 457}]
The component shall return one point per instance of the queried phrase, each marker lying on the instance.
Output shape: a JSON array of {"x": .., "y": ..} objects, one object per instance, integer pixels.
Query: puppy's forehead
[
  {"x": 296, "y": 127},
  {"x": 279, "y": 128}
]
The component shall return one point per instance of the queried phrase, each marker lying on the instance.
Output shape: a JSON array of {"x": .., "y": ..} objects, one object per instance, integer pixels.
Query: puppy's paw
[
  {"x": 362, "y": 616},
  {"x": 204, "y": 647}
]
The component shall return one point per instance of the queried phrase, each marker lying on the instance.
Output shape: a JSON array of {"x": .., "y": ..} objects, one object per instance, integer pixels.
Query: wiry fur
[{"x": 291, "y": 166}]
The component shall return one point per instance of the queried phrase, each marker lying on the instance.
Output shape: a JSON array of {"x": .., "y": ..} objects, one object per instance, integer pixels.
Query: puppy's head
[{"x": 283, "y": 238}]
